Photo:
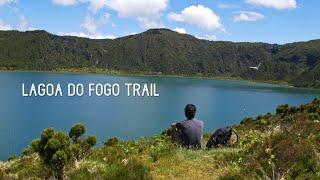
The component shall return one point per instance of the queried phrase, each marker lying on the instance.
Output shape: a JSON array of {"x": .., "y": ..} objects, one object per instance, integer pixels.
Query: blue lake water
[{"x": 219, "y": 103}]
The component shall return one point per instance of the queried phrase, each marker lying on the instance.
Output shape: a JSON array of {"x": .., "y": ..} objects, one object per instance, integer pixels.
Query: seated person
[{"x": 188, "y": 132}]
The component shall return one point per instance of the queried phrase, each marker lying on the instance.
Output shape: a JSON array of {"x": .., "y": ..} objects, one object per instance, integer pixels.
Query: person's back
[
  {"x": 189, "y": 131},
  {"x": 192, "y": 129}
]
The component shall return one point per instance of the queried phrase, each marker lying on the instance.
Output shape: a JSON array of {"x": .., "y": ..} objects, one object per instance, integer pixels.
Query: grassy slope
[{"x": 283, "y": 145}]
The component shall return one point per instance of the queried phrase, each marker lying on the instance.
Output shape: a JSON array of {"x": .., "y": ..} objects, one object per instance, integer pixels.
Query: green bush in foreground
[
  {"x": 80, "y": 146},
  {"x": 56, "y": 150}
]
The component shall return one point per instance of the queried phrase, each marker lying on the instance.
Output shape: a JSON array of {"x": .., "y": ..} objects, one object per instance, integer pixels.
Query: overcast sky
[{"x": 272, "y": 21}]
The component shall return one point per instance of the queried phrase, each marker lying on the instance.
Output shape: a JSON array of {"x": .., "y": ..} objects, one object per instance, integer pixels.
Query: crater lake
[{"x": 219, "y": 103}]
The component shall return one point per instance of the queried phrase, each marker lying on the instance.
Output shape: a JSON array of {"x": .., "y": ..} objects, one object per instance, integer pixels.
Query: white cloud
[
  {"x": 247, "y": 16},
  {"x": 109, "y": 36},
  {"x": 104, "y": 19},
  {"x": 78, "y": 34},
  {"x": 91, "y": 26},
  {"x": 95, "y": 5},
  {"x": 148, "y": 23},
  {"x": 227, "y": 6},
  {"x": 277, "y": 4},
  {"x": 2, "y": 2},
  {"x": 140, "y": 8},
  {"x": 82, "y": 34},
  {"x": 208, "y": 37},
  {"x": 147, "y": 12},
  {"x": 200, "y": 16},
  {"x": 23, "y": 23},
  {"x": 4, "y": 26},
  {"x": 180, "y": 30},
  {"x": 113, "y": 25},
  {"x": 64, "y": 2},
  {"x": 22, "y": 26}
]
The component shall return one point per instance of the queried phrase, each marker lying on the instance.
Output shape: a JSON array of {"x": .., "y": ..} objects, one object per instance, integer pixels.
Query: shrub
[
  {"x": 306, "y": 167},
  {"x": 2, "y": 175},
  {"x": 283, "y": 109},
  {"x": 76, "y": 131},
  {"x": 318, "y": 137},
  {"x": 246, "y": 121},
  {"x": 27, "y": 151},
  {"x": 293, "y": 110},
  {"x": 91, "y": 140},
  {"x": 11, "y": 158},
  {"x": 132, "y": 170},
  {"x": 279, "y": 154},
  {"x": 160, "y": 148},
  {"x": 167, "y": 132},
  {"x": 114, "y": 153},
  {"x": 54, "y": 150},
  {"x": 58, "y": 161},
  {"x": 111, "y": 141},
  {"x": 313, "y": 116},
  {"x": 80, "y": 147}
]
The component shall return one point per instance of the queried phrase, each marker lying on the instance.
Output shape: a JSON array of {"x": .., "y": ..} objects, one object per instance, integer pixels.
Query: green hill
[
  {"x": 285, "y": 145},
  {"x": 166, "y": 52}
]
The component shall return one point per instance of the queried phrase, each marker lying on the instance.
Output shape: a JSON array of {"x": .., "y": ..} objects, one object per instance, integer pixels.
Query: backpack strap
[{"x": 236, "y": 135}]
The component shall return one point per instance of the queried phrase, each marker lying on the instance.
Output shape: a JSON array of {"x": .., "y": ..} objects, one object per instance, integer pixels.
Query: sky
[{"x": 270, "y": 21}]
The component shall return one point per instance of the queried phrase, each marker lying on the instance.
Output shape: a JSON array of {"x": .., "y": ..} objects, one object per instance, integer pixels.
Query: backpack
[{"x": 221, "y": 137}]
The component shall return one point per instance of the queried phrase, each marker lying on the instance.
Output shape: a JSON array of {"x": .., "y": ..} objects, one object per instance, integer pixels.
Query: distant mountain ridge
[{"x": 165, "y": 51}]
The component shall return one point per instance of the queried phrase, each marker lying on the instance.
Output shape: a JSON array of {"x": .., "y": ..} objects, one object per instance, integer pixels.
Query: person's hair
[{"x": 190, "y": 111}]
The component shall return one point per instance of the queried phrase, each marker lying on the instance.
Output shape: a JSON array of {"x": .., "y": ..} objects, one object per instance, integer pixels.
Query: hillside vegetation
[
  {"x": 162, "y": 51},
  {"x": 285, "y": 145}
]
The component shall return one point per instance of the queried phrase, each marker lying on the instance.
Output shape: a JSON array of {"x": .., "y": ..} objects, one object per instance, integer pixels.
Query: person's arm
[
  {"x": 173, "y": 125},
  {"x": 177, "y": 126}
]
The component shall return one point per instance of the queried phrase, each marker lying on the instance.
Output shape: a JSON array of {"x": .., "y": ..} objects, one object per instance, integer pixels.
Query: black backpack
[{"x": 221, "y": 137}]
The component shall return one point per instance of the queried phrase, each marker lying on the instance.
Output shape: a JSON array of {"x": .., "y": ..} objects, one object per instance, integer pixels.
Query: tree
[
  {"x": 54, "y": 149},
  {"x": 80, "y": 147},
  {"x": 91, "y": 140},
  {"x": 76, "y": 131},
  {"x": 59, "y": 161}
]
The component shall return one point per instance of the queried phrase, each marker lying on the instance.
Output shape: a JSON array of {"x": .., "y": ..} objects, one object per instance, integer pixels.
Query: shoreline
[{"x": 108, "y": 72}]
